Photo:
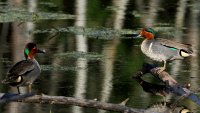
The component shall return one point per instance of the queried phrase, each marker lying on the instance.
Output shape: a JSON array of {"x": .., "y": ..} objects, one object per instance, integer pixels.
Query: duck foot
[
  {"x": 18, "y": 90},
  {"x": 164, "y": 100},
  {"x": 160, "y": 69},
  {"x": 29, "y": 88}
]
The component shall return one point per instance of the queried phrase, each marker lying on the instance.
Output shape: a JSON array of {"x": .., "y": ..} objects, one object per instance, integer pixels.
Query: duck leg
[
  {"x": 161, "y": 69},
  {"x": 165, "y": 100},
  {"x": 18, "y": 90},
  {"x": 29, "y": 88}
]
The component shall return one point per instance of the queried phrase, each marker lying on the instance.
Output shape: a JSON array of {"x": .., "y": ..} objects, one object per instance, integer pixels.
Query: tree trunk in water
[
  {"x": 110, "y": 49},
  {"x": 149, "y": 17}
]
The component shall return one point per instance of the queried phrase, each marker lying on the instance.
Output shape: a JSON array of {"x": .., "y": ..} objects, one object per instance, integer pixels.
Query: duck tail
[
  {"x": 186, "y": 53},
  {"x": 12, "y": 78},
  {"x": 5, "y": 81},
  {"x": 195, "y": 53}
]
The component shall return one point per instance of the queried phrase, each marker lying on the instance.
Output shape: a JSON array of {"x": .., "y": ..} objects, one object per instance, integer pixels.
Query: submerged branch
[{"x": 170, "y": 84}]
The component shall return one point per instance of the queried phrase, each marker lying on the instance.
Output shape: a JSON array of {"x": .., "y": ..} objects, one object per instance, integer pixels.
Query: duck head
[
  {"x": 30, "y": 50},
  {"x": 147, "y": 33}
]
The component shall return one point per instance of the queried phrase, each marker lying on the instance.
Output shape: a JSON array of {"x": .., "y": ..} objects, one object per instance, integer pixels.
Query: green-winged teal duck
[
  {"x": 25, "y": 72},
  {"x": 162, "y": 50}
]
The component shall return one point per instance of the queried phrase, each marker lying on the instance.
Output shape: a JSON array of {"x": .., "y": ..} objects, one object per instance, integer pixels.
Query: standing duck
[
  {"x": 162, "y": 50},
  {"x": 25, "y": 72}
]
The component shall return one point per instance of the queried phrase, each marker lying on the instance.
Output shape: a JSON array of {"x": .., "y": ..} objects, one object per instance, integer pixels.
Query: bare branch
[
  {"x": 45, "y": 99},
  {"x": 170, "y": 84},
  {"x": 7, "y": 97}
]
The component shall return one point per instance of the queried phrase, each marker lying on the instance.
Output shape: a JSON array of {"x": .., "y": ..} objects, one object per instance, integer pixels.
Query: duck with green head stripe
[
  {"x": 162, "y": 50},
  {"x": 25, "y": 72}
]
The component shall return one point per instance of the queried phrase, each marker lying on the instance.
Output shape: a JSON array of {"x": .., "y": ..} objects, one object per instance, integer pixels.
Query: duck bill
[
  {"x": 139, "y": 35},
  {"x": 41, "y": 51}
]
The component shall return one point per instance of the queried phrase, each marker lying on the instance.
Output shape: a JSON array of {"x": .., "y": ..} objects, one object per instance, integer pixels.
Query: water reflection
[
  {"x": 194, "y": 39},
  {"x": 108, "y": 79},
  {"x": 81, "y": 45},
  {"x": 19, "y": 38},
  {"x": 109, "y": 51}
]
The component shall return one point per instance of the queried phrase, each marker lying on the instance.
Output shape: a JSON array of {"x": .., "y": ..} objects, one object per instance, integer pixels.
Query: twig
[{"x": 124, "y": 102}]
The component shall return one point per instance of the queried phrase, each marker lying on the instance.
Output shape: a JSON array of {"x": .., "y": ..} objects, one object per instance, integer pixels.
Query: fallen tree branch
[
  {"x": 80, "y": 102},
  {"x": 163, "y": 76},
  {"x": 7, "y": 97},
  {"x": 45, "y": 99},
  {"x": 170, "y": 84}
]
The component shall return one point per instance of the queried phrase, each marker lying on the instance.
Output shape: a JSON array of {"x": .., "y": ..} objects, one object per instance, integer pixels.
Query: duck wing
[
  {"x": 22, "y": 67},
  {"x": 19, "y": 69},
  {"x": 175, "y": 45}
]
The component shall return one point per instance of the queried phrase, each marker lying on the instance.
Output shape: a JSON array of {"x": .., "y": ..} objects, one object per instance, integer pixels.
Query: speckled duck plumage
[{"x": 162, "y": 49}]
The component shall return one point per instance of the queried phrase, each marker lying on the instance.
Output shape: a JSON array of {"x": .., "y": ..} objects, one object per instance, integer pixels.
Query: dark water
[{"x": 87, "y": 58}]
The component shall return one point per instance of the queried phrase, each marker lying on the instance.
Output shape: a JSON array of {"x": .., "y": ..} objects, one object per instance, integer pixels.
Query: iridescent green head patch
[
  {"x": 151, "y": 31},
  {"x": 27, "y": 51}
]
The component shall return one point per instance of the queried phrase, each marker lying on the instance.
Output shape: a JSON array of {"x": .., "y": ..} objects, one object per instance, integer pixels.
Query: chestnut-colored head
[
  {"x": 147, "y": 33},
  {"x": 30, "y": 50}
]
